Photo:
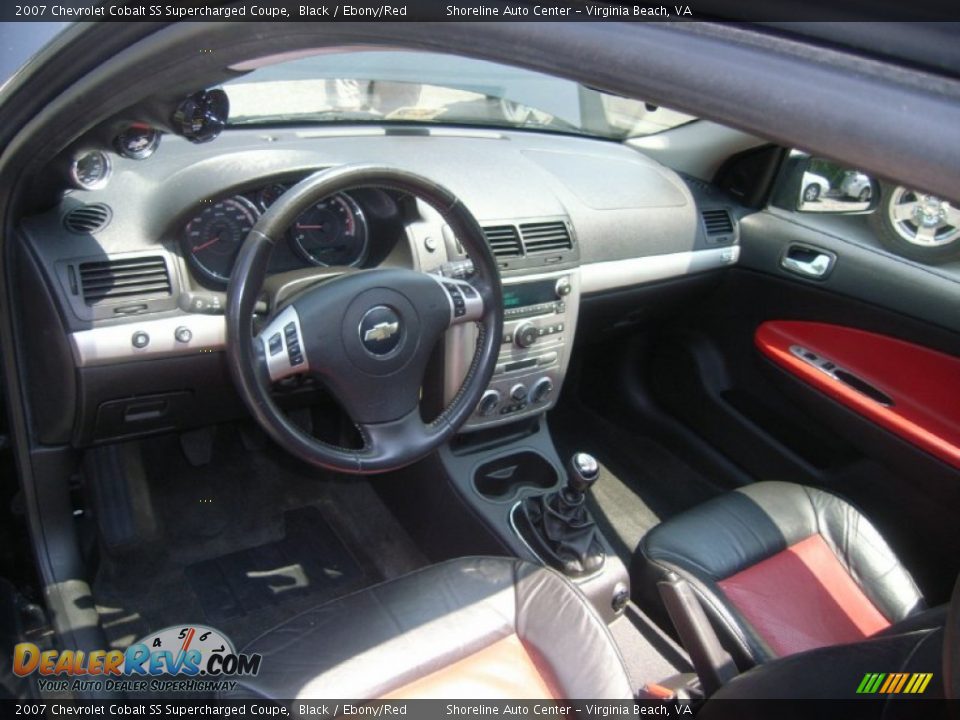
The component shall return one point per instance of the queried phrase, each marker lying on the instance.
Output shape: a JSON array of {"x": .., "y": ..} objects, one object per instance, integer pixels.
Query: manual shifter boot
[{"x": 558, "y": 526}]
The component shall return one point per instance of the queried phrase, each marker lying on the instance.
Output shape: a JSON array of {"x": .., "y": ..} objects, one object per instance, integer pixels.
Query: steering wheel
[{"x": 367, "y": 335}]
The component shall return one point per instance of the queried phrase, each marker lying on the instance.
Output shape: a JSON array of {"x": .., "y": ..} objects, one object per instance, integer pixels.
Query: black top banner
[{"x": 482, "y": 11}]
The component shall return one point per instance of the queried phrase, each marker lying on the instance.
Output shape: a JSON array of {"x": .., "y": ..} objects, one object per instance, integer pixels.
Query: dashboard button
[
  {"x": 140, "y": 339},
  {"x": 183, "y": 334},
  {"x": 488, "y": 403},
  {"x": 526, "y": 335},
  {"x": 547, "y": 359}
]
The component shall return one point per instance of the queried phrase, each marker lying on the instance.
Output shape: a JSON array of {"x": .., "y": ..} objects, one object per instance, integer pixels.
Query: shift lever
[
  {"x": 582, "y": 472},
  {"x": 558, "y": 526}
]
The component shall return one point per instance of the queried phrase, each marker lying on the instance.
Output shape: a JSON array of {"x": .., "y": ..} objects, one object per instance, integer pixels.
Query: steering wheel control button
[
  {"x": 465, "y": 301},
  {"x": 140, "y": 339},
  {"x": 459, "y": 304},
  {"x": 281, "y": 342},
  {"x": 183, "y": 334},
  {"x": 275, "y": 344},
  {"x": 380, "y": 331}
]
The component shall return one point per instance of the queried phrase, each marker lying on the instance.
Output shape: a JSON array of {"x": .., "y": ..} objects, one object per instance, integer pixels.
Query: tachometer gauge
[
  {"x": 269, "y": 195},
  {"x": 332, "y": 232},
  {"x": 137, "y": 142},
  {"x": 213, "y": 238},
  {"x": 90, "y": 170}
]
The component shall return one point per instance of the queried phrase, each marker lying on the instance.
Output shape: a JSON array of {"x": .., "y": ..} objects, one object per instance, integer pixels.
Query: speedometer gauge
[
  {"x": 331, "y": 232},
  {"x": 213, "y": 238}
]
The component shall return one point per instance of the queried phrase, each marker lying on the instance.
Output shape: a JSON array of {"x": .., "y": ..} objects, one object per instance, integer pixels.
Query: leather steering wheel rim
[{"x": 396, "y": 441}]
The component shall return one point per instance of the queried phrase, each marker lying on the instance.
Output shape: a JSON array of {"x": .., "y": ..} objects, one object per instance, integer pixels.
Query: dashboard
[{"x": 133, "y": 269}]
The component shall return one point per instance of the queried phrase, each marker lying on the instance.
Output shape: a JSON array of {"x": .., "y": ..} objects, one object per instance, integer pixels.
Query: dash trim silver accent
[{"x": 613, "y": 274}]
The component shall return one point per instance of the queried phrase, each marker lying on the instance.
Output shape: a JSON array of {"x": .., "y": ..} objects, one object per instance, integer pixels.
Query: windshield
[{"x": 352, "y": 85}]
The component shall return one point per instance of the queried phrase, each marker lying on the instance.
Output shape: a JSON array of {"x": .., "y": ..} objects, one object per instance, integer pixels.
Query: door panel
[
  {"x": 903, "y": 387},
  {"x": 727, "y": 371}
]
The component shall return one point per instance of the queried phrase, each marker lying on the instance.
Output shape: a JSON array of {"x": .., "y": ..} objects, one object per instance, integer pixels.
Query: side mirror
[{"x": 814, "y": 185}]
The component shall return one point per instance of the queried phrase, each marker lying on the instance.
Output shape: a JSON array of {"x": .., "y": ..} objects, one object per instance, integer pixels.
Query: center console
[{"x": 503, "y": 467}]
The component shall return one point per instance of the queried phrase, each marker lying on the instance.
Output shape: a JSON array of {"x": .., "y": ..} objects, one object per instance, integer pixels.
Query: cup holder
[{"x": 502, "y": 478}]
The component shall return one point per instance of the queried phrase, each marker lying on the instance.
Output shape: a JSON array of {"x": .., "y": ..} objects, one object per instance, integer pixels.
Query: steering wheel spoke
[
  {"x": 391, "y": 439},
  {"x": 284, "y": 347},
  {"x": 466, "y": 303}
]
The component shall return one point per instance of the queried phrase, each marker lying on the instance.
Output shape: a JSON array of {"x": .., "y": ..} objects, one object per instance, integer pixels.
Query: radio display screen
[{"x": 532, "y": 293}]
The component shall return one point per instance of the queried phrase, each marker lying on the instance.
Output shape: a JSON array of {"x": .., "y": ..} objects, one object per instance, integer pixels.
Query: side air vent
[
  {"x": 140, "y": 277},
  {"x": 504, "y": 241},
  {"x": 545, "y": 236},
  {"x": 717, "y": 222},
  {"x": 87, "y": 219}
]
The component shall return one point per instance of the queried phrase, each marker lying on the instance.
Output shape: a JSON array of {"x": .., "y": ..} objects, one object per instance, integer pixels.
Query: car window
[
  {"x": 358, "y": 85},
  {"x": 896, "y": 218}
]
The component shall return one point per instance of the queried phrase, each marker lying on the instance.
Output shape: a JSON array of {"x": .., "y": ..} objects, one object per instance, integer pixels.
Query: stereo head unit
[{"x": 539, "y": 321}]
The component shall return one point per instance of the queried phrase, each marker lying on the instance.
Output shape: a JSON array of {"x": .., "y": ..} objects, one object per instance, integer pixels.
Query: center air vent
[
  {"x": 140, "y": 277},
  {"x": 545, "y": 236},
  {"x": 717, "y": 222},
  {"x": 87, "y": 219},
  {"x": 503, "y": 240}
]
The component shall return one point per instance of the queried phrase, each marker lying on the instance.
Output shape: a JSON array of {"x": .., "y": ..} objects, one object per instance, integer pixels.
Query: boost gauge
[
  {"x": 90, "y": 170},
  {"x": 137, "y": 142},
  {"x": 213, "y": 238}
]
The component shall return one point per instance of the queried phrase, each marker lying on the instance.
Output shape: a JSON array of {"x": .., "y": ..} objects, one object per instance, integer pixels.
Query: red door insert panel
[{"x": 923, "y": 384}]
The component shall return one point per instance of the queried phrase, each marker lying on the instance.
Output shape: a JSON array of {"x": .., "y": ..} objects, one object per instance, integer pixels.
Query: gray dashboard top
[{"x": 621, "y": 204}]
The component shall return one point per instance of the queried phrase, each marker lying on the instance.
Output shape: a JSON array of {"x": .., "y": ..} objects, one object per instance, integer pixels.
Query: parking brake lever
[{"x": 713, "y": 664}]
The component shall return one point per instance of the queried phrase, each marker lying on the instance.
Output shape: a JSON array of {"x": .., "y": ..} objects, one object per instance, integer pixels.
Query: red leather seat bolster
[{"x": 803, "y": 598}]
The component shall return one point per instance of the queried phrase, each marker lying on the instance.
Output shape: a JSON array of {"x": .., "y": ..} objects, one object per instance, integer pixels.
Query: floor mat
[
  {"x": 246, "y": 510},
  {"x": 309, "y": 560}
]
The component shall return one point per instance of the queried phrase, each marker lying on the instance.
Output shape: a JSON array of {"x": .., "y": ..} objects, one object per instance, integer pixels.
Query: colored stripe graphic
[
  {"x": 891, "y": 680},
  {"x": 894, "y": 683}
]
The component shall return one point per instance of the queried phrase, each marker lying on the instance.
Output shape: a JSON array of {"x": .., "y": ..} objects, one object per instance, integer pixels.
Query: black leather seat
[
  {"x": 781, "y": 568},
  {"x": 479, "y": 628}
]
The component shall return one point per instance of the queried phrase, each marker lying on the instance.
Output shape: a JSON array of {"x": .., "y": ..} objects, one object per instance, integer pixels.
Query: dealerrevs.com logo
[{"x": 182, "y": 658}]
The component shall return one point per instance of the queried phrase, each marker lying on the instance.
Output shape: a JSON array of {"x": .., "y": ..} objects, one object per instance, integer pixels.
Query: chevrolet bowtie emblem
[{"x": 381, "y": 331}]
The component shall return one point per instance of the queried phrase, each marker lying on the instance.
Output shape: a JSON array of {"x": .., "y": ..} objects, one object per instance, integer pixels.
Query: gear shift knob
[{"x": 582, "y": 472}]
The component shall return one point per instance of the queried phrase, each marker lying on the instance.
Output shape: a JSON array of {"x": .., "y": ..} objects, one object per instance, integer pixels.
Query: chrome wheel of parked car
[{"x": 917, "y": 225}]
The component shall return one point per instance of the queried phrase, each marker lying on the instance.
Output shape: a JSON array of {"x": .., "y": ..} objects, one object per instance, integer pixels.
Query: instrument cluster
[{"x": 332, "y": 232}]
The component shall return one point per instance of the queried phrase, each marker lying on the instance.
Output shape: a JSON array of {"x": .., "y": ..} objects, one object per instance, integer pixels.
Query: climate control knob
[
  {"x": 518, "y": 392},
  {"x": 526, "y": 335},
  {"x": 488, "y": 403},
  {"x": 542, "y": 389}
]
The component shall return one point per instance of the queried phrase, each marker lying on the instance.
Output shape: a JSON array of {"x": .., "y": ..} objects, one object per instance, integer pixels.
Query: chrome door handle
[{"x": 807, "y": 261}]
